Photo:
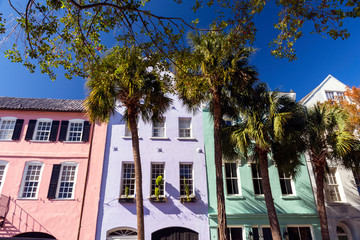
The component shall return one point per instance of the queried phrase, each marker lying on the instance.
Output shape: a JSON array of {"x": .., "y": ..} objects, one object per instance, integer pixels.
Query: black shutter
[
  {"x": 53, "y": 181},
  {"x": 54, "y": 130},
  {"x": 30, "y": 130},
  {"x": 17, "y": 130},
  {"x": 86, "y": 131},
  {"x": 63, "y": 130}
]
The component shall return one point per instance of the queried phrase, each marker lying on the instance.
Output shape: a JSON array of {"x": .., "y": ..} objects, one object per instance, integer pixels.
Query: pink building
[{"x": 51, "y": 161}]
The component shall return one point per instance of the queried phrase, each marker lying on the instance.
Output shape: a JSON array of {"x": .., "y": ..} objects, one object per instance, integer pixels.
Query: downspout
[{"x": 86, "y": 180}]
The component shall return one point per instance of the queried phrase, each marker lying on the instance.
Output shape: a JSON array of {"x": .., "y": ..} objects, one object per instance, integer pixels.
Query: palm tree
[
  {"x": 203, "y": 74},
  {"x": 269, "y": 124},
  {"x": 326, "y": 137},
  {"x": 124, "y": 75}
]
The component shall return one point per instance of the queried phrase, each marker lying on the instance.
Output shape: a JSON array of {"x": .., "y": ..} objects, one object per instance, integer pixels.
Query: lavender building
[{"x": 173, "y": 149}]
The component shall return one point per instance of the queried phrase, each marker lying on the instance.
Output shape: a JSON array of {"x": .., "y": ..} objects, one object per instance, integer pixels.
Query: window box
[
  {"x": 159, "y": 199},
  {"x": 188, "y": 199},
  {"x": 126, "y": 199}
]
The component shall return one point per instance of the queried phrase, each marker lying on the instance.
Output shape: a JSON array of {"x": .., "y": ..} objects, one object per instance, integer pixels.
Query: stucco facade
[
  {"x": 172, "y": 153},
  {"x": 342, "y": 209},
  {"x": 246, "y": 210},
  {"x": 26, "y": 199}
]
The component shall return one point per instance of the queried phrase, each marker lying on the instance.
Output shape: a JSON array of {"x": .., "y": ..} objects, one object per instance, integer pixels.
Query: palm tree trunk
[
  {"x": 223, "y": 234},
  {"x": 269, "y": 201},
  {"x": 138, "y": 175},
  {"x": 320, "y": 198}
]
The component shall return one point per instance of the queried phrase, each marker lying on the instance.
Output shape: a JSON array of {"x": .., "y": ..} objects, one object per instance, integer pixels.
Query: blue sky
[{"x": 317, "y": 57}]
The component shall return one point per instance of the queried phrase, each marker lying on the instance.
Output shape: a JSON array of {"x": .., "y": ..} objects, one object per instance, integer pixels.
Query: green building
[{"x": 245, "y": 203}]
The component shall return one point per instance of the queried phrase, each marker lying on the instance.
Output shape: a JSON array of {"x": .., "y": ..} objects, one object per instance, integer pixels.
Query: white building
[{"x": 341, "y": 188}]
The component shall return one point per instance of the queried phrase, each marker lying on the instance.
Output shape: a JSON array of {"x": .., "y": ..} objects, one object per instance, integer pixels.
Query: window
[
  {"x": 332, "y": 95},
  {"x": 42, "y": 130},
  {"x": 186, "y": 179},
  {"x": 332, "y": 186},
  {"x": 7, "y": 125},
  {"x": 235, "y": 233},
  {"x": 185, "y": 127},
  {"x": 127, "y": 132},
  {"x": 66, "y": 183},
  {"x": 231, "y": 178},
  {"x": 122, "y": 233},
  {"x": 299, "y": 233},
  {"x": 157, "y": 169},
  {"x": 257, "y": 179},
  {"x": 342, "y": 232},
  {"x": 128, "y": 180},
  {"x": 285, "y": 183},
  {"x": 75, "y": 130},
  {"x": 31, "y": 180},
  {"x": 3, "y": 166},
  {"x": 158, "y": 129},
  {"x": 263, "y": 233}
]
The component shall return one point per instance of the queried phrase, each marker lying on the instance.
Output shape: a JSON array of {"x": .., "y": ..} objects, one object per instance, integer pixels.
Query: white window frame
[
  {"x": 66, "y": 164},
  {"x": 346, "y": 229},
  {"x": 257, "y": 178},
  {"x": 242, "y": 231},
  {"x": 231, "y": 178},
  {"x": 123, "y": 186},
  {"x": 301, "y": 226},
  {"x": 333, "y": 182},
  {"x": 192, "y": 187},
  {"x": 31, "y": 163},
  {"x": 185, "y": 129},
  {"x": 121, "y": 233},
  {"x": 153, "y": 180},
  {"x": 127, "y": 132},
  {"x": 161, "y": 128},
  {"x": 48, "y": 120},
  {"x": 10, "y": 131},
  {"x": 260, "y": 230},
  {"x": 69, "y": 126},
  {"x": 292, "y": 184},
  {"x": 334, "y": 95},
  {"x": 2, "y": 178}
]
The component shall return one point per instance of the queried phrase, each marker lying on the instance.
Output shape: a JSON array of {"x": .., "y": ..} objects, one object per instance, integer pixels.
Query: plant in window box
[
  {"x": 156, "y": 197},
  {"x": 126, "y": 198},
  {"x": 188, "y": 197}
]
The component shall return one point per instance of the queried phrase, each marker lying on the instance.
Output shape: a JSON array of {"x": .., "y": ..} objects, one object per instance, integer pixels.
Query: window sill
[
  {"x": 6, "y": 140},
  {"x": 185, "y": 199},
  {"x": 126, "y": 199},
  {"x": 160, "y": 199},
  {"x": 41, "y": 141},
  {"x": 186, "y": 139},
  {"x": 62, "y": 199},
  {"x": 290, "y": 197},
  {"x": 159, "y": 138},
  {"x": 72, "y": 141},
  {"x": 235, "y": 197},
  {"x": 259, "y": 197},
  {"x": 129, "y": 138},
  {"x": 28, "y": 199}
]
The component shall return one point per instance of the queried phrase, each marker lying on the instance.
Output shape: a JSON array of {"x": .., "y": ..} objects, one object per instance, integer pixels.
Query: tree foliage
[
  {"x": 73, "y": 34},
  {"x": 351, "y": 104}
]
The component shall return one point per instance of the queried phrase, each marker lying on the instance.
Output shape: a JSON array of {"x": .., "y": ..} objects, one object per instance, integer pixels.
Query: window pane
[
  {"x": 67, "y": 181},
  {"x": 186, "y": 178},
  {"x": 128, "y": 180},
  {"x": 231, "y": 178},
  {"x": 43, "y": 130},
  {"x": 235, "y": 233},
  {"x": 257, "y": 180},
  {"x": 184, "y": 127},
  {"x": 6, "y": 129},
  {"x": 267, "y": 234},
  {"x": 31, "y": 181},
  {"x": 157, "y": 170},
  {"x": 75, "y": 130}
]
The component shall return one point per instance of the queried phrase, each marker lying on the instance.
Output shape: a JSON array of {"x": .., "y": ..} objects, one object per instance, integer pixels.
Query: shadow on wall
[{"x": 18, "y": 220}]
